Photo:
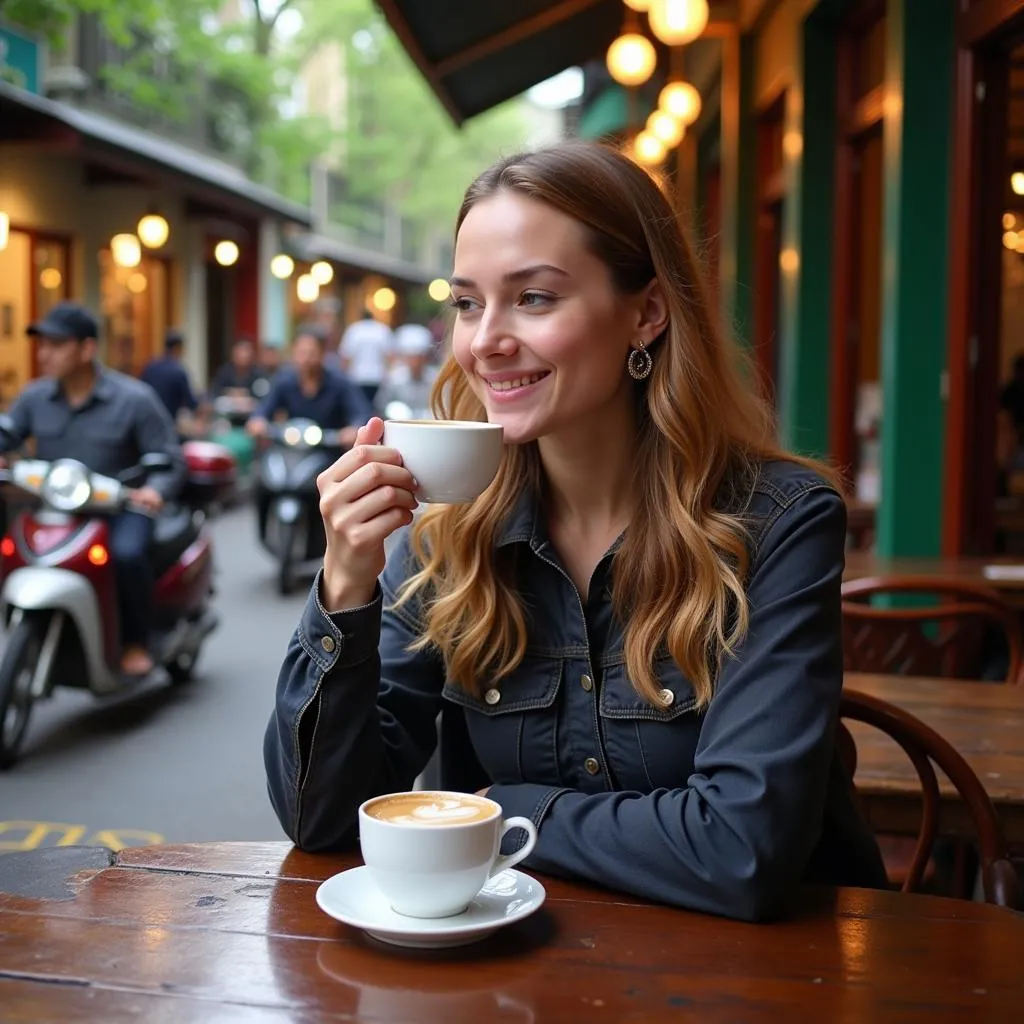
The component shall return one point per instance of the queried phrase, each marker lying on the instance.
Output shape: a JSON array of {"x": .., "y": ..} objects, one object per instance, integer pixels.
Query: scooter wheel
[
  {"x": 183, "y": 668},
  {"x": 16, "y": 670}
]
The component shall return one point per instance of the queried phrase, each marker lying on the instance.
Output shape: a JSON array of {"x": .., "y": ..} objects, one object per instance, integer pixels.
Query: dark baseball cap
[{"x": 65, "y": 320}]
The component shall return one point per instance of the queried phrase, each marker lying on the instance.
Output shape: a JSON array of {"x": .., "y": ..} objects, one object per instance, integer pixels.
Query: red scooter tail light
[
  {"x": 7, "y": 547},
  {"x": 99, "y": 555}
]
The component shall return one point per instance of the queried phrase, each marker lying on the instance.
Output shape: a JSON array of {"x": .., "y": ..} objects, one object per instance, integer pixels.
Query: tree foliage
[{"x": 240, "y": 63}]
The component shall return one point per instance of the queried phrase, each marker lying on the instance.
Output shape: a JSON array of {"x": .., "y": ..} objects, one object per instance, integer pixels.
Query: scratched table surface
[{"x": 231, "y": 932}]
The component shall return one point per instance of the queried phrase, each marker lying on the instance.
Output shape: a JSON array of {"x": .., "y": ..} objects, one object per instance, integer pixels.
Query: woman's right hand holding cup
[{"x": 364, "y": 497}]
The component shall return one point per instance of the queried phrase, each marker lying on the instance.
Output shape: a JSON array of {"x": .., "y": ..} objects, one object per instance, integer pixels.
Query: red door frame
[
  {"x": 856, "y": 117},
  {"x": 771, "y": 190}
]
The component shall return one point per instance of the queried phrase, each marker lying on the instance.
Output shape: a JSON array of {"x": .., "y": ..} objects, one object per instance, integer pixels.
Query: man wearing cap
[{"x": 81, "y": 410}]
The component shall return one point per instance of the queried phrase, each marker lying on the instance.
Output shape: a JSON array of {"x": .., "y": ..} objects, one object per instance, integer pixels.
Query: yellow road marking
[{"x": 32, "y": 835}]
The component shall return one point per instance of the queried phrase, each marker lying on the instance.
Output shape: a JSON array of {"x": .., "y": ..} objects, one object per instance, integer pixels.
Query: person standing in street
[
  {"x": 169, "y": 378},
  {"x": 365, "y": 351}
]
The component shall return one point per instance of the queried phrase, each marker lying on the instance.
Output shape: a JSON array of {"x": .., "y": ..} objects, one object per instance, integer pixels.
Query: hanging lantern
[
  {"x": 282, "y": 266},
  {"x": 677, "y": 22},
  {"x": 631, "y": 59},
  {"x": 50, "y": 278},
  {"x": 153, "y": 230},
  {"x": 306, "y": 288},
  {"x": 322, "y": 272},
  {"x": 384, "y": 299},
  {"x": 666, "y": 129},
  {"x": 126, "y": 250},
  {"x": 682, "y": 101},
  {"x": 226, "y": 253},
  {"x": 648, "y": 149},
  {"x": 439, "y": 289}
]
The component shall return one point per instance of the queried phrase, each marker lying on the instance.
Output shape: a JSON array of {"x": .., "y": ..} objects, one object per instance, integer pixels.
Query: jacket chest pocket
[
  {"x": 649, "y": 747},
  {"x": 513, "y": 725}
]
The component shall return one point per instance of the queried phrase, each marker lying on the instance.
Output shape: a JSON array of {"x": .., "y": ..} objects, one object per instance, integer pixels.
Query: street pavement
[{"x": 165, "y": 764}]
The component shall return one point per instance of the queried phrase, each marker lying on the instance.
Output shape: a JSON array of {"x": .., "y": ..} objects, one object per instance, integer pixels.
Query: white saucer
[{"x": 353, "y": 897}]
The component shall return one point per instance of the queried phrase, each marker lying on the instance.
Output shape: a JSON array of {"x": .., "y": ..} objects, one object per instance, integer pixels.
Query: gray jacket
[{"x": 723, "y": 811}]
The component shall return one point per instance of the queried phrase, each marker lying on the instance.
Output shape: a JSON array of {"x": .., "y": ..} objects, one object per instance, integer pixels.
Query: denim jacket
[{"x": 723, "y": 810}]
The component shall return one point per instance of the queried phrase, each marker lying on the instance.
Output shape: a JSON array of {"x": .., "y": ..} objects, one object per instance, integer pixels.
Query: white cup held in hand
[{"x": 452, "y": 460}]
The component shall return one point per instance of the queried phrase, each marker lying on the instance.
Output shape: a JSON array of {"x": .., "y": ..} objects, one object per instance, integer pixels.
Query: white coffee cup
[
  {"x": 431, "y": 862},
  {"x": 452, "y": 460}
]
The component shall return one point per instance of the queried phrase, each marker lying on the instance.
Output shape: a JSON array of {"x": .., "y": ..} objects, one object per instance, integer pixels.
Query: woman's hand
[{"x": 364, "y": 497}]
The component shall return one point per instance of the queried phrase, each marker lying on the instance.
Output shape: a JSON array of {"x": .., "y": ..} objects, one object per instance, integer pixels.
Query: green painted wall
[
  {"x": 918, "y": 153},
  {"x": 810, "y": 131}
]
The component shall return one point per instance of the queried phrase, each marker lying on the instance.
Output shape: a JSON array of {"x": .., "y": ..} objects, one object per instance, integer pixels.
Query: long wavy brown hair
[{"x": 702, "y": 433}]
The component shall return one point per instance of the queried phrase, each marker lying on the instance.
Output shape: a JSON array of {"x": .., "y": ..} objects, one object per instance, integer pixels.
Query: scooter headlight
[
  {"x": 312, "y": 436},
  {"x": 66, "y": 487}
]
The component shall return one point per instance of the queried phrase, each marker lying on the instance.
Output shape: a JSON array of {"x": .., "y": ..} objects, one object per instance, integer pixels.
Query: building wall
[{"x": 47, "y": 192}]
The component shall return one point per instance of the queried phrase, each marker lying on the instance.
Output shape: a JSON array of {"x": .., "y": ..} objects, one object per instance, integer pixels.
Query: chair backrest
[
  {"x": 926, "y": 748},
  {"x": 951, "y": 636}
]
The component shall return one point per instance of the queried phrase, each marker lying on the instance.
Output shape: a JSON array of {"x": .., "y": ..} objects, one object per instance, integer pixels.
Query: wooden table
[
  {"x": 860, "y": 564},
  {"x": 231, "y": 932},
  {"x": 983, "y": 721}
]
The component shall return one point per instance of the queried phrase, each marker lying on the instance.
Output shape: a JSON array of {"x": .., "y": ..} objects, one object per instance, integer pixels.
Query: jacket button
[
  {"x": 667, "y": 697},
  {"x": 492, "y": 696},
  {"x": 587, "y": 683},
  {"x": 327, "y": 643},
  {"x": 592, "y": 766}
]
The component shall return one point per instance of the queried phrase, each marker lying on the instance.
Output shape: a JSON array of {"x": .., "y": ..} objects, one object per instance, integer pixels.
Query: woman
[{"x": 634, "y": 633}]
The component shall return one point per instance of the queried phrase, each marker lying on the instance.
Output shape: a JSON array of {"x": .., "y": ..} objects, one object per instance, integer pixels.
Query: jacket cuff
[
  {"x": 524, "y": 800},
  {"x": 339, "y": 639}
]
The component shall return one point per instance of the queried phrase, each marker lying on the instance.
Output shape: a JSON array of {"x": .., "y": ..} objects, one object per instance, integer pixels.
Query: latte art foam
[{"x": 430, "y": 809}]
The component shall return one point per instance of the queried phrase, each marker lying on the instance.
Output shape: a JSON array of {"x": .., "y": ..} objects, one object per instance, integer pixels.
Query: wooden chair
[
  {"x": 926, "y": 748},
  {"x": 950, "y": 637}
]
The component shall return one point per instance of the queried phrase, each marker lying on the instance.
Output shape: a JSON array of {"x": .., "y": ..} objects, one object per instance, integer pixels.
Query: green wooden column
[
  {"x": 918, "y": 133},
  {"x": 804, "y": 315}
]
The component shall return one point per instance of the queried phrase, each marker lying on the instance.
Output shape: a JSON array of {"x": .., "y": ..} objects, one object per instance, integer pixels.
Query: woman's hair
[{"x": 702, "y": 433}]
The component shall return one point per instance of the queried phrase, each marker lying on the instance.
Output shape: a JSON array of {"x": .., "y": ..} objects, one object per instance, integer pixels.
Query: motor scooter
[
  {"x": 231, "y": 412},
  {"x": 287, "y": 499},
  {"x": 59, "y": 597}
]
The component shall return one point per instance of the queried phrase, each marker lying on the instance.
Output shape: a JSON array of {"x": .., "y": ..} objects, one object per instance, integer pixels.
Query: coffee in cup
[
  {"x": 431, "y": 809},
  {"x": 431, "y": 852},
  {"x": 452, "y": 460}
]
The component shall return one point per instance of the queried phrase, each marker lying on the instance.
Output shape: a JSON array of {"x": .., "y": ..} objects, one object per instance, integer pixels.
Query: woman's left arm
[{"x": 735, "y": 840}]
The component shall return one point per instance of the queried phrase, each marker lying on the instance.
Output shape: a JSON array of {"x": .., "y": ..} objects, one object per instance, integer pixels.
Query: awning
[
  {"x": 22, "y": 114},
  {"x": 476, "y": 54}
]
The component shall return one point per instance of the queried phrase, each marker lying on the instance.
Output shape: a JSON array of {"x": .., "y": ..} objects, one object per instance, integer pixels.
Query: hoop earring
[{"x": 639, "y": 364}]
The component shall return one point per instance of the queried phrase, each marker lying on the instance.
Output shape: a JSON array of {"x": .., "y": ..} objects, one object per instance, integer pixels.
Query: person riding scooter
[
  {"x": 307, "y": 389},
  {"x": 108, "y": 421},
  {"x": 324, "y": 410}
]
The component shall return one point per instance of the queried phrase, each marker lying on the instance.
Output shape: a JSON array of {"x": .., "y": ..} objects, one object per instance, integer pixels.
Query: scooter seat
[{"x": 173, "y": 531}]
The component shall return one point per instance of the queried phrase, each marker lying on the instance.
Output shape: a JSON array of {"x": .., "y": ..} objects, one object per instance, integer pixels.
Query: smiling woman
[{"x": 633, "y": 635}]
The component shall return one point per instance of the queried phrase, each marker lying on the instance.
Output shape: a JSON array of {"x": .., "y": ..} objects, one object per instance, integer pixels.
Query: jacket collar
[{"x": 521, "y": 523}]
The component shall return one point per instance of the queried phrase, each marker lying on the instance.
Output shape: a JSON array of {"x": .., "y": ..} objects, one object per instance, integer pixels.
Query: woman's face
[{"x": 541, "y": 332}]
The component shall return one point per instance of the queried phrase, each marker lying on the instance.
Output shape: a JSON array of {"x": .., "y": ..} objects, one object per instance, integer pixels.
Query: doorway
[{"x": 984, "y": 488}]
